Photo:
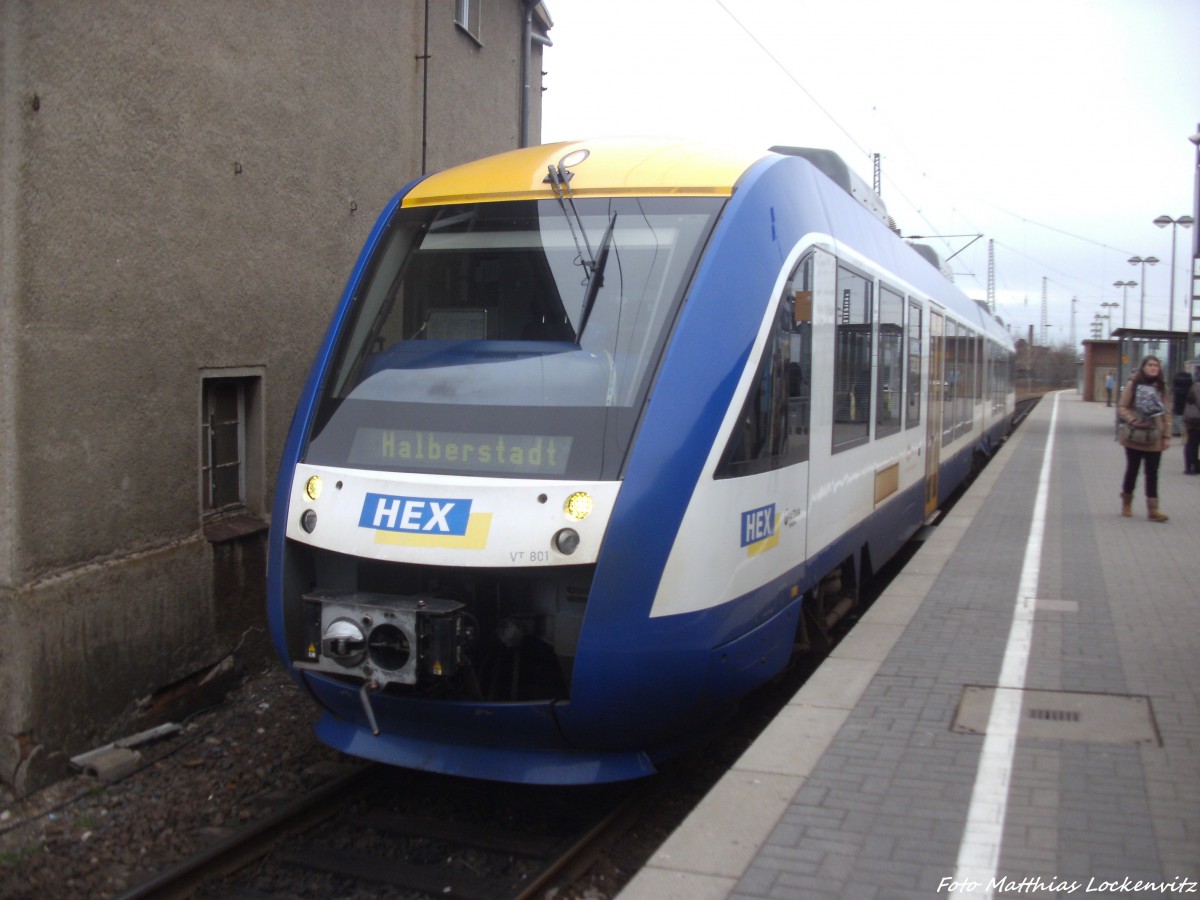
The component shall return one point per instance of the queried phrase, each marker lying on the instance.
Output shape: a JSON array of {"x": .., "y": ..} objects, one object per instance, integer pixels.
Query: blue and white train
[{"x": 599, "y": 433}]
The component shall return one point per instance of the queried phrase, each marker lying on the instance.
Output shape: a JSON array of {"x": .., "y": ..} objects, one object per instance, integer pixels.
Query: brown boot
[
  {"x": 1152, "y": 512},
  {"x": 1127, "y": 505}
]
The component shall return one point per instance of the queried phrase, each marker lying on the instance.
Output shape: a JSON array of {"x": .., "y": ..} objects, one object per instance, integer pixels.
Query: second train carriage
[{"x": 591, "y": 425}]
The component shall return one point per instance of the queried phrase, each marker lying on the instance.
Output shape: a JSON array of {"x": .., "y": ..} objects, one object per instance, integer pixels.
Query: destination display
[{"x": 455, "y": 451}]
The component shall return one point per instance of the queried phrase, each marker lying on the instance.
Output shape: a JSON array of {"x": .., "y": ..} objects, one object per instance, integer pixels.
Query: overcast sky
[{"x": 1057, "y": 128}]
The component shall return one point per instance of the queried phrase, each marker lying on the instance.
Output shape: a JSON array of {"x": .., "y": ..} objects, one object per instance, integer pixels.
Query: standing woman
[{"x": 1144, "y": 400}]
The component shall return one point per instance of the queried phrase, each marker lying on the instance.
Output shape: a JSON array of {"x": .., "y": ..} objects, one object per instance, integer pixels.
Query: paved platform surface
[{"x": 1018, "y": 715}]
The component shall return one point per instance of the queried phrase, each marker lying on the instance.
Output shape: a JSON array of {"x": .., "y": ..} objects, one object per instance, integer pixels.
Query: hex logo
[
  {"x": 415, "y": 515},
  {"x": 759, "y": 529}
]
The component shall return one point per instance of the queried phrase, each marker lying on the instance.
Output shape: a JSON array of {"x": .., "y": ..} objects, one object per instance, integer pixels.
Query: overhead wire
[
  {"x": 792, "y": 77},
  {"x": 817, "y": 103},
  {"x": 893, "y": 184}
]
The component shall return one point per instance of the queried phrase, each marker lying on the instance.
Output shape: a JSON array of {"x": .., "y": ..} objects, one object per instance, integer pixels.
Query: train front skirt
[{"x": 517, "y": 742}]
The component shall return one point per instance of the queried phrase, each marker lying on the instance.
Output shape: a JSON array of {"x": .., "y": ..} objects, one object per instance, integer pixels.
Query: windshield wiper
[
  {"x": 596, "y": 279},
  {"x": 560, "y": 180}
]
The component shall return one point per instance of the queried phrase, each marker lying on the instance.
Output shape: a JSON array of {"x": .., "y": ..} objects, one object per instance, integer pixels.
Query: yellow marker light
[
  {"x": 312, "y": 487},
  {"x": 578, "y": 505}
]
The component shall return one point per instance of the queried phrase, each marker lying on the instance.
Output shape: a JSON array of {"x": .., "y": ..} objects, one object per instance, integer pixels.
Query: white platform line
[{"x": 979, "y": 852}]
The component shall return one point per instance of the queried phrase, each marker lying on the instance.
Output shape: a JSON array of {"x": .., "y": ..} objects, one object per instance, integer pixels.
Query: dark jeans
[
  {"x": 1191, "y": 450},
  {"x": 1133, "y": 462}
]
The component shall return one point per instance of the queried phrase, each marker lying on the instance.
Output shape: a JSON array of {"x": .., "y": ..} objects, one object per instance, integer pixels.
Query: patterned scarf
[{"x": 1147, "y": 402}]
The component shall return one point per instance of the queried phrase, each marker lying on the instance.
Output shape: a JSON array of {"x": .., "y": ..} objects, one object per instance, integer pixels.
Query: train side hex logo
[
  {"x": 760, "y": 529},
  {"x": 424, "y": 521}
]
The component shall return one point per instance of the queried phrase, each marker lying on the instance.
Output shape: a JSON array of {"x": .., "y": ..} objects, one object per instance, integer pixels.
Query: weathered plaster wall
[{"x": 184, "y": 187}]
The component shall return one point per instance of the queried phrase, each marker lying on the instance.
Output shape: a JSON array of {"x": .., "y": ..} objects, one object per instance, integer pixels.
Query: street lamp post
[
  {"x": 1124, "y": 297},
  {"x": 1194, "y": 297},
  {"x": 1163, "y": 222},
  {"x": 1135, "y": 261},
  {"x": 1108, "y": 307}
]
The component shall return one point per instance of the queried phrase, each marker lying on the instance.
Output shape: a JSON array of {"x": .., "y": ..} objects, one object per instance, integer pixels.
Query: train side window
[
  {"x": 1004, "y": 377},
  {"x": 913, "y": 418},
  {"x": 852, "y": 360},
  {"x": 989, "y": 376},
  {"x": 966, "y": 404},
  {"x": 890, "y": 381},
  {"x": 999, "y": 376},
  {"x": 980, "y": 370},
  {"x": 953, "y": 382},
  {"x": 995, "y": 381},
  {"x": 773, "y": 426}
]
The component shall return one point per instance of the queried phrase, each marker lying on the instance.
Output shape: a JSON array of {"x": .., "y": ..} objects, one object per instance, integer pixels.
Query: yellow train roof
[{"x": 600, "y": 168}]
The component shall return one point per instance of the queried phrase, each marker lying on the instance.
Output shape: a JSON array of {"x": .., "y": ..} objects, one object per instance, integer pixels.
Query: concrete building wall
[{"x": 184, "y": 188}]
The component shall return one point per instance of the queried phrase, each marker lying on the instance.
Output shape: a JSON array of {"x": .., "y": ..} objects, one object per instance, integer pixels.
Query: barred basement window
[
  {"x": 223, "y": 443},
  {"x": 230, "y": 445}
]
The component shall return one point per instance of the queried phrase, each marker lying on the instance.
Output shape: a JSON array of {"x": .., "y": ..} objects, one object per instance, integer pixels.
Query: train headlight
[
  {"x": 308, "y": 521},
  {"x": 312, "y": 487},
  {"x": 578, "y": 505},
  {"x": 566, "y": 541},
  {"x": 574, "y": 158}
]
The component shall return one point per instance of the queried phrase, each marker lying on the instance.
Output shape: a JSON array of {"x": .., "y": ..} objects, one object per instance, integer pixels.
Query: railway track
[
  {"x": 1023, "y": 408},
  {"x": 384, "y": 831}
]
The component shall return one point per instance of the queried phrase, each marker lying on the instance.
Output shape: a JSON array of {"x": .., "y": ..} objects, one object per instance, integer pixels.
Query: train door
[
  {"x": 933, "y": 426},
  {"x": 761, "y": 478}
]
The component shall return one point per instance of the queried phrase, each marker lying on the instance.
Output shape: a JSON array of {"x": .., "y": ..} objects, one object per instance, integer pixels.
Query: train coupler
[{"x": 386, "y": 638}]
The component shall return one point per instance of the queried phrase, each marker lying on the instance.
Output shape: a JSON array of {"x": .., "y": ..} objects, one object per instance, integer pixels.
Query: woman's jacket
[{"x": 1128, "y": 413}]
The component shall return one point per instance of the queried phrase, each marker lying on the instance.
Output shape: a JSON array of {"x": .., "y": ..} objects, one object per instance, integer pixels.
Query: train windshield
[{"x": 512, "y": 339}]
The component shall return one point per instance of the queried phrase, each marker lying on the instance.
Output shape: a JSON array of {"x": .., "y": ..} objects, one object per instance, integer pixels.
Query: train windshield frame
[{"x": 508, "y": 339}]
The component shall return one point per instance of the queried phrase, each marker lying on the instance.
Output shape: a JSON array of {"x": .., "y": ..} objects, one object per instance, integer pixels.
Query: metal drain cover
[{"x": 1065, "y": 716}]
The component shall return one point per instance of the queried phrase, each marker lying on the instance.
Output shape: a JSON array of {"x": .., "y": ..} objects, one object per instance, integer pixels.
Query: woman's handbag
[{"x": 1139, "y": 434}]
